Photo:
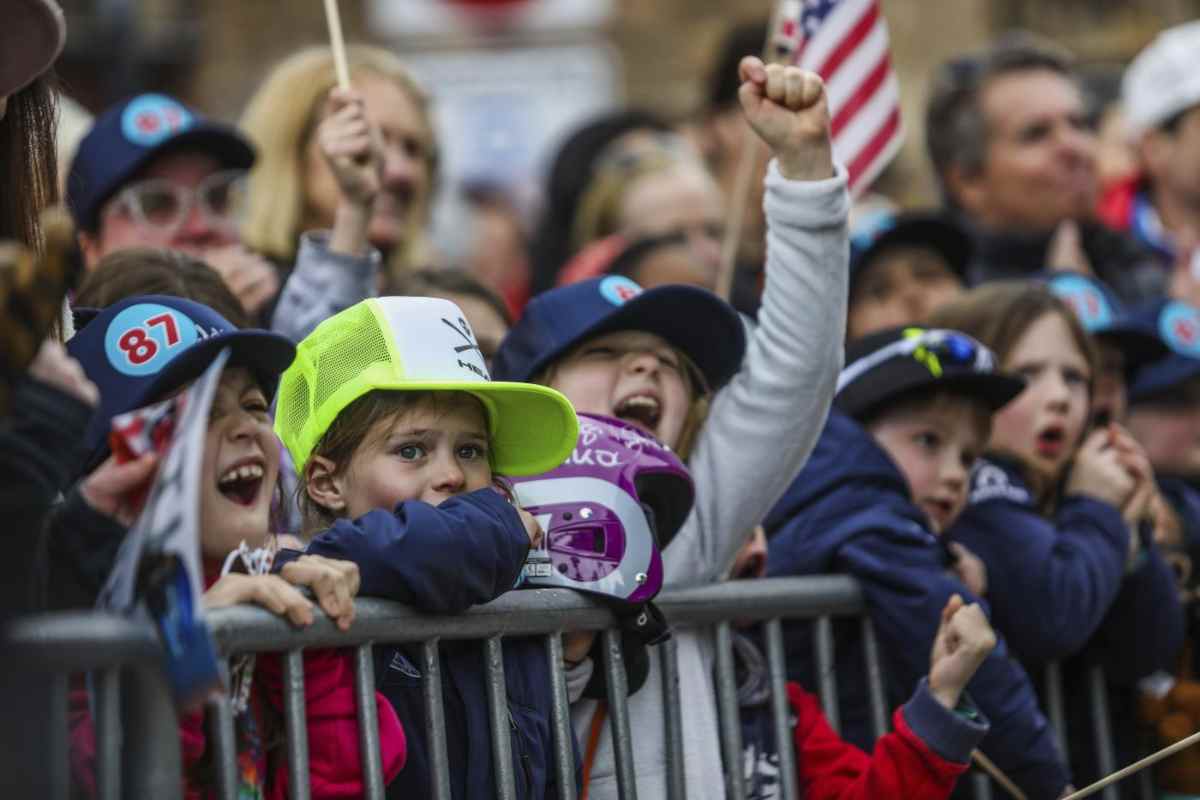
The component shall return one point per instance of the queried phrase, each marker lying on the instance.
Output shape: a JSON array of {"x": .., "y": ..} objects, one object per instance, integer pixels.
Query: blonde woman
[{"x": 293, "y": 188}]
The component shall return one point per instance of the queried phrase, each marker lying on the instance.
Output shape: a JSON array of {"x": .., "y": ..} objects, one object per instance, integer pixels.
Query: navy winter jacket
[
  {"x": 444, "y": 559},
  {"x": 849, "y": 512},
  {"x": 1071, "y": 570}
]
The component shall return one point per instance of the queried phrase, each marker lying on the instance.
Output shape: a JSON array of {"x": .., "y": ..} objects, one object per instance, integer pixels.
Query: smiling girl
[
  {"x": 143, "y": 350},
  {"x": 670, "y": 361}
]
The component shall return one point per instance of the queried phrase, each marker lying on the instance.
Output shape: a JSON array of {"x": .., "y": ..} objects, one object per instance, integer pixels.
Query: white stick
[
  {"x": 1153, "y": 758},
  {"x": 999, "y": 776},
  {"x": 334, "y": 21}
]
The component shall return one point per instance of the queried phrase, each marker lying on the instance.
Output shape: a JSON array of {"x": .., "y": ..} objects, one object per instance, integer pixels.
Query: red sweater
[{"x": 902, "y": 766}]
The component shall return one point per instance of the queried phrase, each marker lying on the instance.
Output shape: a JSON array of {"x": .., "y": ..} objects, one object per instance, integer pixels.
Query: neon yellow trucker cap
[{"x": 416, "y": 344}]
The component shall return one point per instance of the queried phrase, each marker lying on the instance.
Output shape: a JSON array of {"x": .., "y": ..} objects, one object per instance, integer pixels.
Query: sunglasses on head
[{"x": 933, "y": 348}]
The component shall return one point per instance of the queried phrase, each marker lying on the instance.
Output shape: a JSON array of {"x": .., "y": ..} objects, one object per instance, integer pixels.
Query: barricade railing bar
[{"x": 131, "y": 694}]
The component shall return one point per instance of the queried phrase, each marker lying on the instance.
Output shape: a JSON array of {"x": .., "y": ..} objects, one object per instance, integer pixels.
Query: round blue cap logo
[
  {"x": 1179, "y": 327},
  {"x": 144, "y": 338},
  {"x": 618, "y": 290},
  {"x": 1088, "y": 302},
  {"x": 150, "y": 119}
]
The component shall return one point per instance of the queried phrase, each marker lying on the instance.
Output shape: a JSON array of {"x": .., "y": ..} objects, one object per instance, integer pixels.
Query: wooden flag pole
[
  {"x": 1136, "y": 766},
  {"x": 997, "y": 774},
  {"x": 741, "y": 185},
  {"x": 334, "y": 21}
]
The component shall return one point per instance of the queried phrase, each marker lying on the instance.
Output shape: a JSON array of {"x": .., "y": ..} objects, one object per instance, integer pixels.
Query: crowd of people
[{"x": 987, "y": 413}]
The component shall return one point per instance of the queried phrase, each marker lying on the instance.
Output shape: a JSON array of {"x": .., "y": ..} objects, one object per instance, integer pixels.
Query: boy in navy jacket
[{"x": 889, "y": 474}]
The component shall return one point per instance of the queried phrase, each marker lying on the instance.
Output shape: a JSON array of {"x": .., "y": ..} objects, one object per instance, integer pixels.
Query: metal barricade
[{"x": 148, "y": 764}]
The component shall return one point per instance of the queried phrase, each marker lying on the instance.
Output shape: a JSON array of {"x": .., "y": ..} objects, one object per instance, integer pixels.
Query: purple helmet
[{"x": 606, "y": 511}]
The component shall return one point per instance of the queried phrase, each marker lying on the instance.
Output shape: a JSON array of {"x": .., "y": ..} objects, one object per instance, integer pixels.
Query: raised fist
[
  {"x": 787, "y": 108},
  {"x": 964, "y": 640}
]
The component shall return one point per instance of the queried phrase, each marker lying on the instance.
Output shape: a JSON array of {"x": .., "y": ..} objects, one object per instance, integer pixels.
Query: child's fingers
[
  {"x": 951, "y": 608},
  {"x": 752, "y": 70},
  {"x": 280, "y": 597}
]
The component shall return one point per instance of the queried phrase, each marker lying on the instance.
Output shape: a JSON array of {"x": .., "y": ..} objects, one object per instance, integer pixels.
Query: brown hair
[
  {"x": 357, "y": 425},
  {"x": 438, "y": 282},
  {"x": 935, "y": 400},
  {"x": 144, "y": 270},
  {"x": 28, "y": 161}
]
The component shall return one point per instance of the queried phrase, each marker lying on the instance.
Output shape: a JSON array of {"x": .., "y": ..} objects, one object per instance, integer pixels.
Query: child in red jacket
[{"x": 930, "y": 746}]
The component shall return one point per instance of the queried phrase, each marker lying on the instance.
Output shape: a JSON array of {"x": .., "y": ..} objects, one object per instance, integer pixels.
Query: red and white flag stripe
[{"x": 846, "y": 43}]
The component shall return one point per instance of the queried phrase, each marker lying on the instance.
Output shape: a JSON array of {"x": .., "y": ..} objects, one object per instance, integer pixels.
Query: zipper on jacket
[{"x": 526, "y": 766}]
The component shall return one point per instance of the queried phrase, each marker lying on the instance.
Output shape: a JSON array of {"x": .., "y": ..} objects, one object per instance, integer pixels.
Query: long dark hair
[{"x": 28, "y": 161}]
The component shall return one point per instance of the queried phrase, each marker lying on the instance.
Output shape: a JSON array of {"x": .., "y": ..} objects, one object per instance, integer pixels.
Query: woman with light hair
[{"x": 292, "y": 186}]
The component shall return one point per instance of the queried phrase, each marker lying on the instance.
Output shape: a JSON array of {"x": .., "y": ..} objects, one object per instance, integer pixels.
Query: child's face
[
  {"x": 900, "y": 286},
  {"x": 1043, "y": 425},
  {"x": 631, "y": 375},
  {"x": 934, "y": 447},
  {"x": 430, "y": 453},
  {"x": 241, "y": 467}
]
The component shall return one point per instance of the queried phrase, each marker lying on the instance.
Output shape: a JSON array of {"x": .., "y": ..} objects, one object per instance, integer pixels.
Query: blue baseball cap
[
  {"x": 1103, "y": 316},
  {"x": 143, "y": 348},
  {"x": 881, "y": 229},
  {"x": 694, "y": 320},
  {"x": 1178, "y": 324},
  {"x": 131, "y": 134}
]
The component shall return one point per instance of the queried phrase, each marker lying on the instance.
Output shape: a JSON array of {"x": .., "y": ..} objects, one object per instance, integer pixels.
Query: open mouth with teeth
[
  {"x": 241, "y": 484},
  {"x": 641, "y": 410}
]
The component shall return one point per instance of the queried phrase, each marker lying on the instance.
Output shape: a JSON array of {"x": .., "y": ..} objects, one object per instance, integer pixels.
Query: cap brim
[
  {"x": 992, "y": 389},
  {"x": 32, "y": 37},
  {"x": 1136, "y": 345},
  {"x": 533, "y": 428},
  {"x": 953, "y": 244},
  {"x": 1155, "y": 378},
  {"x": 223, "y": 142},
  {"x": 694, "y": 320}
]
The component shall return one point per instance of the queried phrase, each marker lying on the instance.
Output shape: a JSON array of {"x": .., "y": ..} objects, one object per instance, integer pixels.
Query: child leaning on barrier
[
  {"x": 888, "y": 476},
  {"x": 1062, "y": 515},
  {"x": 400, "y": 440},
  {"x": 145, "y": 349},
  {"x": 1056, "y": 511},
  {"x": 935, "y": 731},
  {"x": 670, "y": 361}
]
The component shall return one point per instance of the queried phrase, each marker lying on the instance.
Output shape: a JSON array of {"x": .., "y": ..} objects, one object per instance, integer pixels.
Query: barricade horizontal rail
[{"x": 108, "y": 646}]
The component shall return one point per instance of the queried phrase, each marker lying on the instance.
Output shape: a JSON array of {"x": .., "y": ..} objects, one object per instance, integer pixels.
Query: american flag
[{"x": 846, "y": 43}]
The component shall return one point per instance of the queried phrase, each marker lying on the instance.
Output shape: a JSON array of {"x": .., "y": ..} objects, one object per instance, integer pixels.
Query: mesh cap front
[{"x": 416, "y": 344}]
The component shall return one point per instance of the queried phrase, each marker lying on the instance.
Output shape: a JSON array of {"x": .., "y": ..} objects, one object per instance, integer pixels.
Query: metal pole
[
  {"x": 151, "y": 764},
  {"x": 435, "y": 720},
  {"x": 560, "y": 719},
  {"x": 108, "y": 732},
  {"x": 1054, "y": 706},
  {"x": 780, "y": 709},
  {"x": 668, "y": 651},
  {"x": 826, "y": 682},
  {"x": 501, "y": 719},
  {"x": 224, "y": 747},
  {"x": 618, "y": 709},
  {"x": 295, "y": 724},
  {"x": 879, "y": 719},
  {"x": 731, "y": 726},
  {"x": 1101, "y": 727},
  {"x": 368, "y": 721}
]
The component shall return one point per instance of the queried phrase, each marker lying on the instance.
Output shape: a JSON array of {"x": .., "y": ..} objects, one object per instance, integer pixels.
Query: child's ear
[{"x": 324, "y": 486}]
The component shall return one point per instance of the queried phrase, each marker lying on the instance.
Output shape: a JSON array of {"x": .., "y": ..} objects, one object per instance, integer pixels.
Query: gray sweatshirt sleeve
[
  {"x": 763, "y": 425},
  {"x": 322, "y": 284}
]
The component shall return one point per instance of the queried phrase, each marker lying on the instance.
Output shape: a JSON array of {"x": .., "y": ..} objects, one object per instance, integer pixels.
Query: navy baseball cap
[
  {"x": 884, "y": 365},
  {"x": 1178, "y": 324},
  {"x": 143, "y": 348},
  {"x": 1103, "y": 316},
  {"x": 882, "y": 229},
  {"x": 694, "y": 320},
  {"x": 130, "y": 135}
]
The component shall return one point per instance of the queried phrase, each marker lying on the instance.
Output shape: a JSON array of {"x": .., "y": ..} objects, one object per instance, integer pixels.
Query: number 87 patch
[{"x": 143, "y": 338}]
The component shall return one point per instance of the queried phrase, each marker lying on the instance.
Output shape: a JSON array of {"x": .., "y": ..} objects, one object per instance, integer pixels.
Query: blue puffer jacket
[
  {"x": 1071, "y": 570},
  {"x": 849, "y": 512},
  {"x": 444, "y": 559}
]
